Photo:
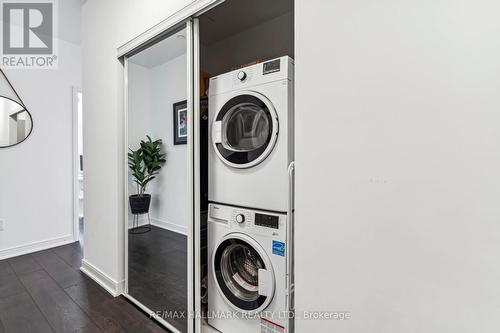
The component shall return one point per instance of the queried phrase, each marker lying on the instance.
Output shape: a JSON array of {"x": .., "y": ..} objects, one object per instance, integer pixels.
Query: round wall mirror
[{"x": 15, "y": 122}]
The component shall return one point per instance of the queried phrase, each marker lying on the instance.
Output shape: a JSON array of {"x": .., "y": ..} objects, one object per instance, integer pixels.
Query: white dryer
[
  {"x": 251, "y": 130},
  {"x": 247, "y": 278}
]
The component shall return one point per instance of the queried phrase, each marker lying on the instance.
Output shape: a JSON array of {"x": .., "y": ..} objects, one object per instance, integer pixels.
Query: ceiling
[
  {"x": 162, "y": 52},
  {"x": 234, "y": 16},
  {"x": 221, "y": 22}
]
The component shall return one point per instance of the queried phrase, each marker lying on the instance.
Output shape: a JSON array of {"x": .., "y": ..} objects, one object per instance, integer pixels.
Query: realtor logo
[{"x": 28, "y": 32}]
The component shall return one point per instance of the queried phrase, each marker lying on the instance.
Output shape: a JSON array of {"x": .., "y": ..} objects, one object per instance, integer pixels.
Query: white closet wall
[
  {"x": 397, "y": 152},
  {"x": 397, "y": 159}
]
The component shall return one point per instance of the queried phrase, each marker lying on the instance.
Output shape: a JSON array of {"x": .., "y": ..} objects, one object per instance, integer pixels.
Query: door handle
[
  {"x": 290, "y": 238},
  {"x": 264, "y": 279},
  {"x": 217, "y": 132}
]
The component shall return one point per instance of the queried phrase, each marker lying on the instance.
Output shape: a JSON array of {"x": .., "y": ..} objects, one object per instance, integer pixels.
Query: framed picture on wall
[{"x": 180, "y": 123}]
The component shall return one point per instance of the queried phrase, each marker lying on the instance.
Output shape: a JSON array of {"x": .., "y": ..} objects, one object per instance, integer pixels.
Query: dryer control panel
[{"x": 273, "y": 70}]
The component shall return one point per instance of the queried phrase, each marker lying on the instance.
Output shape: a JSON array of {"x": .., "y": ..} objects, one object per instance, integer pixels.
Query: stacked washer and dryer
[{"x": 250, "y": 189}]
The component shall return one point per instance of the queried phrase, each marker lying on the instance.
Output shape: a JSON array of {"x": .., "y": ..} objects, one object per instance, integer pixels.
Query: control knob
[
  {"x": 242, "y": 75},
  {"x": 240, "y": 218}
]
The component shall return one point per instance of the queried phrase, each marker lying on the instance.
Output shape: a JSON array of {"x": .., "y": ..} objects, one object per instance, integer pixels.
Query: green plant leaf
[{"x": 145, "y": 162}]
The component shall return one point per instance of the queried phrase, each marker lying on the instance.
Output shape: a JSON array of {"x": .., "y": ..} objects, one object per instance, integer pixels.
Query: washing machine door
[
  {"x": 243, "y": 273},
  {"x": 245, "y": 130}
]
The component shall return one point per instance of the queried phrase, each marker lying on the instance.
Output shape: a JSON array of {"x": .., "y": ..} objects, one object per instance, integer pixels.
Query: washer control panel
[
  {"x": 261, "y": 222},
  {"x": 268, "y": 221},
  {"x": 241, "y": 217}
]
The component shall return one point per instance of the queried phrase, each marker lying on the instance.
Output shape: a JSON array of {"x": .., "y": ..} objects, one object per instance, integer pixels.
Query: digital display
[
  {"x": 271, "y": 66},
  {"x": 269, "y": 221}
]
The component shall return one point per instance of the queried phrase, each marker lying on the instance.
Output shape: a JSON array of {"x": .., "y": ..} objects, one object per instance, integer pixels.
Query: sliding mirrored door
[{"x": 159, "y": 230}]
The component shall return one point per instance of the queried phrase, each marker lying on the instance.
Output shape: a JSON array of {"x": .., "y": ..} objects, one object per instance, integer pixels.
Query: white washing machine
[
  {"x": 247, "y": 278},
  {"x": 251, "y": 130}
]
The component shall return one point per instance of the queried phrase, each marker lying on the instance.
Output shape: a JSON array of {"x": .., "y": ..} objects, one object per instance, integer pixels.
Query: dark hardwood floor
[
  {"x": 46, "y": 292},
  {"x": 158, "y": 273}
]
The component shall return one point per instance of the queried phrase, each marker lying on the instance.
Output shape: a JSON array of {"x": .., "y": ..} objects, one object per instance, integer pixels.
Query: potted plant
[{"x": 145, "y": 163}]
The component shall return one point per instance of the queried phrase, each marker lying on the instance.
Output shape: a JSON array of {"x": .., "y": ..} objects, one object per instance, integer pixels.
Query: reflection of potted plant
[{"x": 145, "y": 163}]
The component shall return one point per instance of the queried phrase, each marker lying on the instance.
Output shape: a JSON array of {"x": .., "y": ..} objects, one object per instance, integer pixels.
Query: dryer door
[
  {"x": 243, "y": 272},
  {"x": 245, "y": 130}
]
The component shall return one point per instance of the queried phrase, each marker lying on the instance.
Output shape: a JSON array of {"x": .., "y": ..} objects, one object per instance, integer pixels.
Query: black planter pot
[{"x": 139, "y": 204}]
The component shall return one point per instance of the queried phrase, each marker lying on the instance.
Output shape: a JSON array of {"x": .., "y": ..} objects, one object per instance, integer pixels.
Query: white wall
[
  {"x": 106, "y": 25},
  {"x": 7, "y": 108},
  {"x": 139, "y": 116},
  {"x": 398, "y": 188},
  {"x": 36, "y": 191},
  {"x": 4, "y": 126},
  {"x": 170, "y": 206},
  {"x": 139, "y": 99},
  {"x": 152, "y": 93}
]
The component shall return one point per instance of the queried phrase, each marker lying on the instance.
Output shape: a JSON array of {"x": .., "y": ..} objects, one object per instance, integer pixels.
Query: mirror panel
[
  {"x": 158, "y": 178},
  {"x": 15, "y": 122}
]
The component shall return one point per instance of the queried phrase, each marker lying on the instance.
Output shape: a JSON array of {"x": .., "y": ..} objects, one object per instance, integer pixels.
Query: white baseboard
[
  {"x": 115, "y": 288},
  {"x": 177, "y": 228},
  {"x": 180, "y": 229},
  {"x": 35, "y": 246}
]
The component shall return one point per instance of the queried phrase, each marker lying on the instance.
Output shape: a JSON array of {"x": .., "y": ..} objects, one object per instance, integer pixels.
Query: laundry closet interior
[{"x": 209, "y": 144}]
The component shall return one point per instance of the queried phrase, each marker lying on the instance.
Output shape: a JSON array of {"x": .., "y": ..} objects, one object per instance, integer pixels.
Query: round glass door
[
  {"x": 237, "y": 266},
  {"x": 245, "y": 130}
]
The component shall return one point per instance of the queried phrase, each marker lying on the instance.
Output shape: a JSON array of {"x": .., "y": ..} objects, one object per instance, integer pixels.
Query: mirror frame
[{"x": 32, "y": 122}]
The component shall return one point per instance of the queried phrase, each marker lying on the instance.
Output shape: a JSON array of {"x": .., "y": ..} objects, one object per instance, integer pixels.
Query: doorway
[
  {"x": 250, "y": 38},
  {"x": 223, "y": 36}
]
